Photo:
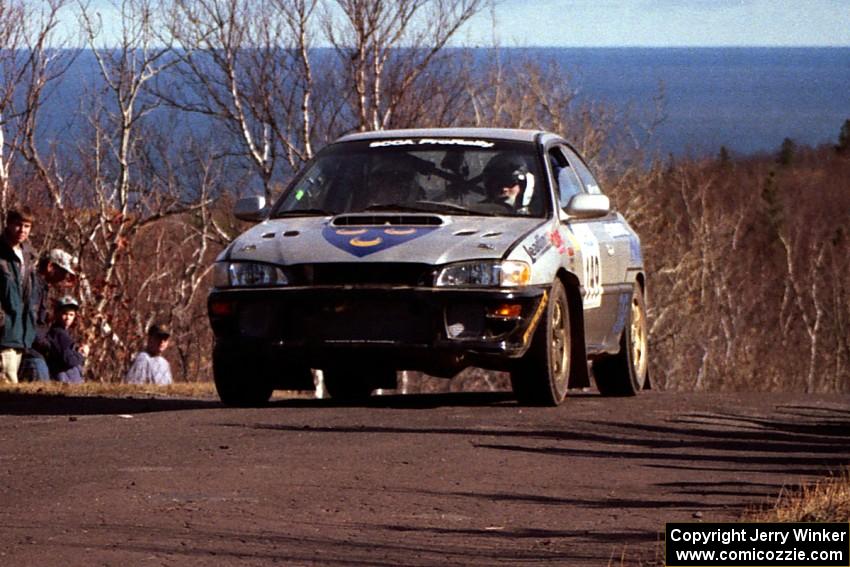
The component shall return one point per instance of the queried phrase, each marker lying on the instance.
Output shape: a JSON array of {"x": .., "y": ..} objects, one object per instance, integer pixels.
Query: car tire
[
  {"x": 354, "y": 384},
  {"x": 626, "y": 373},
  {"x": 542, "y": 376},
  {"x": 240, "y": 387}
]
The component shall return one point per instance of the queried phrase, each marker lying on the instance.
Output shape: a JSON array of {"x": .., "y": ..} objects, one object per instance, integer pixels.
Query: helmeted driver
[{"x": 507, "y": 181}]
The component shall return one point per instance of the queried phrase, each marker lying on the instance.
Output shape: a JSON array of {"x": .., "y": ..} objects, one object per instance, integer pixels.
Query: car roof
[{"x": 511, "y": 134}]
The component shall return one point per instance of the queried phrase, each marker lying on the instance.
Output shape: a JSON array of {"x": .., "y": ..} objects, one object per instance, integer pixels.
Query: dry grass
[
  {"x": 195, "y": 390},
  {"x": 92, "y": 389},
  {"x": 827, "y": 500}
]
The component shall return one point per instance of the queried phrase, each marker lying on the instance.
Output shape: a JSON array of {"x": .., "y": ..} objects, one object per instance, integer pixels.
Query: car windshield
[{"x": 446, "y": 176}]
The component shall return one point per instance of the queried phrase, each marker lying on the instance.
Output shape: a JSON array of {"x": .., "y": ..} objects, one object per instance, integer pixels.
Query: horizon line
[{"x": 550, "y": 46}]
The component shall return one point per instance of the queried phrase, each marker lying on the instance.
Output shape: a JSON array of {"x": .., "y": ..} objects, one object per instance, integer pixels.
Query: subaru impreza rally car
[{"x": 432, "y": 250}]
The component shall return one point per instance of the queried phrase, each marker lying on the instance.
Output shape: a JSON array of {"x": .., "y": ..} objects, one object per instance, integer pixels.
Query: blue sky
[
  {"x": 664, "y": 23},
  {"x": 655, "y": 23}
]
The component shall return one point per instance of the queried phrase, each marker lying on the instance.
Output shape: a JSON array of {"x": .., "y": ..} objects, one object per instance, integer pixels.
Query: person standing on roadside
[
  {"x": 17, "y": 281},
  {"x": 56, "y": 269},
  {"x": 149, "y": 366}
]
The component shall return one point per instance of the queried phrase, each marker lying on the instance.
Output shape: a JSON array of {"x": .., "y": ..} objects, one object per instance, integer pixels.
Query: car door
[{"x": 604, "y": 256}]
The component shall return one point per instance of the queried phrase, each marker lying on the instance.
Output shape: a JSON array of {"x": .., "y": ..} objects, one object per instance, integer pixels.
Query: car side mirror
[
  {"x": 588, "y": 206},
  {"x": 250, "y": 209}
]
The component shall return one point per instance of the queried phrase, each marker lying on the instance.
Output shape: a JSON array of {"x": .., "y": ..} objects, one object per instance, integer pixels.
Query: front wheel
[
  {"x": 625, "y": 373},
  {"x": 542, "y": 376},
  {"x": 240, "y": 387}
]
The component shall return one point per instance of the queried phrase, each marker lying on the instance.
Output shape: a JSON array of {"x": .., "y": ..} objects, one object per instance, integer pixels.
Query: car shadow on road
[
  {"x": 15, "y": 403},
  {"x": 785, "y": 442},
  {"x": 24, "y": 403},
  {"x": 425, "y": 400},
  {"x": 739, "y": 457},
  {"x": 736, "y": 456}
]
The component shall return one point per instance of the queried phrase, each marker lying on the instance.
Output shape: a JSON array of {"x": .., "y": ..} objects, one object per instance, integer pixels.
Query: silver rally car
[{"x": 432, "y": 250}]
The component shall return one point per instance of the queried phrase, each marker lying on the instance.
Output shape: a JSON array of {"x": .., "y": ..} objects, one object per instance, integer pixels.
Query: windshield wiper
[
  {"x": 428, "y": 207},
  {"x": 453, "y": 208}
]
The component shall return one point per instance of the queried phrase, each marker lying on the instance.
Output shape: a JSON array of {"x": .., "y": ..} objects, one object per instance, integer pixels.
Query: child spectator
[
  {"x": 149, "y": 366},
  {"x": 64, "y": 358}
]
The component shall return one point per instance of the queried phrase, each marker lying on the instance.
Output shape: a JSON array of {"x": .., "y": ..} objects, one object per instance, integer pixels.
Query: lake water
[{"x": 747, "y": 99}]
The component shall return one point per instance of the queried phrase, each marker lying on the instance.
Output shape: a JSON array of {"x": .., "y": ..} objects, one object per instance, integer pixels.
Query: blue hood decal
[{"x": 361, "y": 241}]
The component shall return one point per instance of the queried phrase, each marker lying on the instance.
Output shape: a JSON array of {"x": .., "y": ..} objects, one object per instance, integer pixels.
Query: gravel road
[{"x": 454, "y": 479}]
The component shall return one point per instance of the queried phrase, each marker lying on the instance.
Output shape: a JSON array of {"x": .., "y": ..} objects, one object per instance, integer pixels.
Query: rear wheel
[
  {"x": 625, "y": 373},
  {"x": 542, "y": 376}
]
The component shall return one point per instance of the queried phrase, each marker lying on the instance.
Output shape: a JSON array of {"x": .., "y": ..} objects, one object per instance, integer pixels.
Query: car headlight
[
  {"x": 247, "y": 274},
  {"x": 484, "y": 273}
]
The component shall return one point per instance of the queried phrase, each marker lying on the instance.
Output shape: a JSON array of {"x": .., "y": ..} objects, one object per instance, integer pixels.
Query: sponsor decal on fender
[
  {"x": 558, "y": 242},
  {"x": 538, "y": 246}
]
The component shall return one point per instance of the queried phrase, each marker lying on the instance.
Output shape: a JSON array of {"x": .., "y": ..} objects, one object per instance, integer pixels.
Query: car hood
[{"x": 425, "y": 238}]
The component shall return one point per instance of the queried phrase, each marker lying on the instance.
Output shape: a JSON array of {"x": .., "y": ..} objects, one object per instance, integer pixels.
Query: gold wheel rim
[
  {"x": 639, "y": 341},
  {"x": 559, "y": 346}
]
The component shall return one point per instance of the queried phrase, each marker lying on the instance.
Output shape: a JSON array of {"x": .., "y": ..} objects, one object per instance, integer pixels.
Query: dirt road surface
[{"x": 455, "y": 479}]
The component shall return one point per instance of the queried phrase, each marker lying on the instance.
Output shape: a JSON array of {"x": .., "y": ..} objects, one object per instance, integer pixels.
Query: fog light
[{"x": 506, "y": 311}]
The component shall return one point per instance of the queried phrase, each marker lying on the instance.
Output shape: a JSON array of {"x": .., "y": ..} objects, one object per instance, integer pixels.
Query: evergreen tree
[
  {"x": 773, "y": 204},
  {"x": 843, "y": 146},
  {"x": 787, "y": 151}
]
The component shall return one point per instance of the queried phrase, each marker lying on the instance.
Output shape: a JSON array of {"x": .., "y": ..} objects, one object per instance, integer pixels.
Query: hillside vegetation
[
  {"x": 746, "y": 256},
  {"x": 748, "y": 262}
]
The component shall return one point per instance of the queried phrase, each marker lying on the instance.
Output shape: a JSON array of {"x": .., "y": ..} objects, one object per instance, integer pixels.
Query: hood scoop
[{"x": 383, "y": 219}]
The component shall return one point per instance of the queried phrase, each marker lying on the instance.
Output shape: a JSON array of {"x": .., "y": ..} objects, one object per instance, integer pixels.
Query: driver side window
[
  {"x": 584, "y": 173},
  {"x": 566, "y": 180}
]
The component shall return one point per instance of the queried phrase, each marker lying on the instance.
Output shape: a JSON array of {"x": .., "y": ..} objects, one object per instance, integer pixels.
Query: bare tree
[
  {"x": 250, "y": 67},
  {"x": 33, "y": 57},
  {"x": 130, "y": 189},
  {"x": 12, "y": 68},
  {"x": 384, "y": 47}
]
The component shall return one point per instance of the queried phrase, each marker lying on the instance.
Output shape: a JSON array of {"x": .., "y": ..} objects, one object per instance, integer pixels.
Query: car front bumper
[{"x": 436, "y": 330}]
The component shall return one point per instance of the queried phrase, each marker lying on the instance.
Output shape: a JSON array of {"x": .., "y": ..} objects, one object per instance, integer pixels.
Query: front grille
[
  {"x": 361, "y": 319},
  {"x": 361, "y": 273},
  {"x": 349, "y": 317}
]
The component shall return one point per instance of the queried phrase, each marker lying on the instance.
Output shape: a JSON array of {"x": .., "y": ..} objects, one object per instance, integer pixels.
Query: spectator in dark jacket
[
  {"x": 17, "y": 280},
  {"x": 55, "y": 269},
  {"x": 64, "y": 358}
]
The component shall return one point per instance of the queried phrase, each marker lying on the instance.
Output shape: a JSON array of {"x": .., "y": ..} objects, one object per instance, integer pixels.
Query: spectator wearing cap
[
  {"x": 55, "y": 269},
  {"x": 17, "y": 280},
  {"x": 149, "y": 366},
  {"x": 65, "y": 358}
]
